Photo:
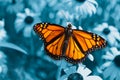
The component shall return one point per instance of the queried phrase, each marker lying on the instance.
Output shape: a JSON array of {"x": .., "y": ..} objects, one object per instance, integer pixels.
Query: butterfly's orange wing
[
  {"x": 53, "y": 37},
  {"x": 81, "y": 43},
  {"x": 73, "y": 52}
]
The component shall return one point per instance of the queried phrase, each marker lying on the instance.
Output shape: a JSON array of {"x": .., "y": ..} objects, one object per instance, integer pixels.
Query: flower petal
[
  {"x": 90, "y": 56},
  {"x": 99, "y": 70},
  {"x": 118, "y": 76},
  {"x": 115, "y": 51},
  {"x": 107, "y": 57},
  {"x": 101, "y": 27},
  {"x": 63, "y": 77},
  {"x": 114, "y": 75},
  {"x": 90, "y": 8},
  {"x": 84, "y": 71},
  {"x": 108, "y": 72},
  {"x": 109, "y": 54},
  {"x": 111, "y": 39},
  {"x": 2, "y": 23},
  {"x": 21, "y": 15},
  {"x": 93, "y": 78},
  {"x": 70, "y": 70},
  {"x": 80, "y": 27},
  {"x": 106, "y": 65},
  {"x": 93, "y": 2}
]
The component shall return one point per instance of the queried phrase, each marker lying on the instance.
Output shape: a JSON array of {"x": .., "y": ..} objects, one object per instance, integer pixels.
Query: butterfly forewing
[
  {"x": 88, "y": 41},
  {"x": 53, "y": 37},
  {"x": 48, "y": 31}
]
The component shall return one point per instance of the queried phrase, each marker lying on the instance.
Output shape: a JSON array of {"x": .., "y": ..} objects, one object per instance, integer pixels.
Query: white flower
[
  {"x": 2, "y": 23},
  {"x": 82, "y": 7},
  {"x": 85, "y": 72},
  {"x": 88, "y": 7},
  {"x": 82, "y": 73},
  {"x": 2, "y": 57},
  {"x": 3, "y": 67},
  {"x": 3, "y": 34},
  {"x": 15, "y": 6},
  {"x": 110, "y": 33},
  {"x": 26, "y": 21},
  {"x": 34, "y": 5},
  {"x": 111, "y": 68}
]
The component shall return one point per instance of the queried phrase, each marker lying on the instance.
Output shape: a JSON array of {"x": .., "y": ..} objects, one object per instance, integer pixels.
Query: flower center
[
  {"x": 13, "y": 1},
  {"x": 75, "y": 76},
  {"x": 81, "y": 0},
  {"x": 106, "y": 31},
  {"x": 29, "y": 20},
  {"x": 117, "y": 61}
]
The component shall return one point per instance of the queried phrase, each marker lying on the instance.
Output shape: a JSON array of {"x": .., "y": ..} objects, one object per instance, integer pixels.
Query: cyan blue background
[{"x": 22, "y": 54}]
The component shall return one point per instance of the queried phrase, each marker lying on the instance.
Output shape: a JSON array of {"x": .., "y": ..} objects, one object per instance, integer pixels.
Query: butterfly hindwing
[
  {"x": 54, "y": 49},
  {"x": 73, "y": 53}
]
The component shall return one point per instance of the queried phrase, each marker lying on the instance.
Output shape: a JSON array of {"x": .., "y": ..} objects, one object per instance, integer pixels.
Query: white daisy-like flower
[
  {"x": 26, "y": 21},
  {"x": 3, "y": 67},
  {"x": 15, "y": 6},
  {"x": 82, "y": 7},
  {"x": 34, "y": 5},
  {"x": 111, "y": 68},
  {"x": 51, "y": 3},
  {"x": 110, "y": 33},
  {"x": 3, "y": 33},
  {"x": 2, "y": 23},
  {"x": 2, "y": 57},
  {"x": 82, "y": 73}
]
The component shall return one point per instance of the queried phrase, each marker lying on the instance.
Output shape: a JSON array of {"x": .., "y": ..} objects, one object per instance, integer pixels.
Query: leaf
[{"x": 12, "y": 46}]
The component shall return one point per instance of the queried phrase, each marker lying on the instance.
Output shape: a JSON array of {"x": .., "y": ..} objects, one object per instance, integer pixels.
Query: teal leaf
[{"x": 12, "y": 46}]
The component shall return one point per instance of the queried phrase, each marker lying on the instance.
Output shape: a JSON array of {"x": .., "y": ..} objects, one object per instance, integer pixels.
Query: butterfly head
[{"x": 69, "y": 26}]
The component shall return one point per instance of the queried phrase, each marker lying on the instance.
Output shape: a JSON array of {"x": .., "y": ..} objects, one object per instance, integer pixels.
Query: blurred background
[{"x": 22, "y": 54}]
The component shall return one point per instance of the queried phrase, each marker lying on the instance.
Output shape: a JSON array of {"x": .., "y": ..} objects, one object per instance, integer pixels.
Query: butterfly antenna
[
  {"x": 65, "y": 16},
  {"x": 63, "y": 13}
]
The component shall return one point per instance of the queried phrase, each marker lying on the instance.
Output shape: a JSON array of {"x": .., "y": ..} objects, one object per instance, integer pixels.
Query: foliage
[{"x": 22, "y": 54}]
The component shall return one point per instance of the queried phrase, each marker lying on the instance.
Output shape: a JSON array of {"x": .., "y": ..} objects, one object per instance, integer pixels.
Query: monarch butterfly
[{"x": 71, "y": 44}]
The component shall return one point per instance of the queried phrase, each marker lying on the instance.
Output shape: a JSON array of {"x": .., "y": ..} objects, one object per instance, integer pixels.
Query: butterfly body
[
  {"x": 71, "y": 44},
  {"x": 68, "y": 33}
]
